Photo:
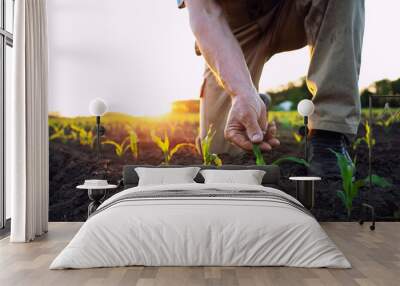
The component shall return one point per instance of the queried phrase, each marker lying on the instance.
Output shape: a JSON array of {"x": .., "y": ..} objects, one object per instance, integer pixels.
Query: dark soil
[{"x": 71, "y": 164}]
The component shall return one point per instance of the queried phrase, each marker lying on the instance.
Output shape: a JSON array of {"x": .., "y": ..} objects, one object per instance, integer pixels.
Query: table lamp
[
  {"x": 98, "y": 107},
  {"x": 305, "y": 108}
]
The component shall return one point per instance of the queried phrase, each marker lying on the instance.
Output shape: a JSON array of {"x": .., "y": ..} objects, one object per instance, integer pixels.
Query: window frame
[{"x": 6, "y": 39}]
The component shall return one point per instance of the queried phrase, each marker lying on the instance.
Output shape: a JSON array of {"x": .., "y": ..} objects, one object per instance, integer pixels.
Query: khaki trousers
[{"x": 333, "y": 29}]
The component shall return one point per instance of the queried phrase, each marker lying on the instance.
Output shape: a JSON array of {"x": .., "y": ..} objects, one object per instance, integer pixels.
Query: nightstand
[
  {"x": 305, "y": 190},
  {"x": 96, "y": 195}
]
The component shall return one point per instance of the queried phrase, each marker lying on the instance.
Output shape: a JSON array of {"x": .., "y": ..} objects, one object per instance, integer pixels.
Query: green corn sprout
[
  {"x": 291, "y": 159},
  {"x": 209, "y": 158},
  {"x": 350, "y": 186},
  {"x": 164, "y": 146},
  {"x": 133, "y": 145},
  {"x": 387, "y": 121},
  {"x": 367, "y": 138},
  {"x": 64, "y": 133},
  {"x": 261, "y": 162},
  {"x": 84, "y": 137},
  {"x": 258, "y": 155},
  {"x": 179, "y": 146},
  {"x": 119, "y": 149},
  {"x": 297, "y": 137},
  {"x": 58, "y": 132}
]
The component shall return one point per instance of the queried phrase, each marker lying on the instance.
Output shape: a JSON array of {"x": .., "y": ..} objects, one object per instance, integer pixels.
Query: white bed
[{"x": 202, "y": 231}]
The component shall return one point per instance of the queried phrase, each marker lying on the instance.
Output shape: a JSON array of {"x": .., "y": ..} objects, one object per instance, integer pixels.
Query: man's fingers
[
  {"x": 264, "y": 146},
  {"x": 253, "y": 130},
  {"x": 273, "y": 142},
  {"x": 239, "y": 139},
  {"x": 270, "y": 135}
]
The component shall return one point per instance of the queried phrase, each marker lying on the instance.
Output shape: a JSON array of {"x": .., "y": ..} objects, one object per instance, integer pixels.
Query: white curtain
[{"x": 29, "y": 132}]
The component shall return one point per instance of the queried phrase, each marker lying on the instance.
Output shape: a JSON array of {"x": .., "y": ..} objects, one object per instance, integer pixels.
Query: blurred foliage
[
  {"x": 382, "y": 87},
  {"x": 297, "y": 90},
  {"x": 293, "y": 92}
]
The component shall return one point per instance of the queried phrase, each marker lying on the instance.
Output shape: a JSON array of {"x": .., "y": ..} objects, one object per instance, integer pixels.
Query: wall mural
[
  {"x": 171, "y": 140},
  {"x": 158, "y": 122}
]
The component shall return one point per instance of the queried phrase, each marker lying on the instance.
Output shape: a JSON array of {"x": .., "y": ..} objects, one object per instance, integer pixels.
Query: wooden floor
[{"x": 375, "y": 257}]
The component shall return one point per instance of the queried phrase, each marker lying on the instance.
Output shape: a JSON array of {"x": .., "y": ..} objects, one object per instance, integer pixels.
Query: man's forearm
[
  {"x": 246, "y": 123},
  {"x": 220, "y": 48}
]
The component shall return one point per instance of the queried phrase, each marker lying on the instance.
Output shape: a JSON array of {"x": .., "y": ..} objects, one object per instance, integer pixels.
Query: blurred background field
[
  {"x": 181, "y": 123},
  {"x": 179, "y": 127}
]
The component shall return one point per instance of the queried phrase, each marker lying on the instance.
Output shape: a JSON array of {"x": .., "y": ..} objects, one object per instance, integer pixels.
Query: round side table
[
  {"x": 305, "y": 190},
  {"x": 96, "y": 195}
]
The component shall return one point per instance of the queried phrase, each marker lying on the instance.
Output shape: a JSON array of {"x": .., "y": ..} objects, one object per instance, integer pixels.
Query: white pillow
[
  {"x": 166, "y": 176},
  {"x": 248, "y": 177}
]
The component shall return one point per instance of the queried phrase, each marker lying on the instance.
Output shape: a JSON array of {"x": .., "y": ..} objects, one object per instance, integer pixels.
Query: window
[{"x": 6, "y": 60}]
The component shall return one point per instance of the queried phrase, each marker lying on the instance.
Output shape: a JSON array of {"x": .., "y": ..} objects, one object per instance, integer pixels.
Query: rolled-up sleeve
[{"x": 181, "y": 3}]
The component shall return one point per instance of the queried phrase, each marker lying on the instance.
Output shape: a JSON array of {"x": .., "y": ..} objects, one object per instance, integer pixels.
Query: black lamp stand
[
  {"x": 100, "y": 131},
  {"x": 306, "y": 138},
  {"x": 98, "y": 140}
]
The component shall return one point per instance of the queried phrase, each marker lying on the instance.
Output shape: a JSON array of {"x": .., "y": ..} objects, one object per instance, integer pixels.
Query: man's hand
[{"x": 247, "y": 124}]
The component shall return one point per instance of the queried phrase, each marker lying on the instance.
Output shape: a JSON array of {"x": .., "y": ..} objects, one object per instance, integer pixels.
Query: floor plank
[{"x": 375, "y": 257}]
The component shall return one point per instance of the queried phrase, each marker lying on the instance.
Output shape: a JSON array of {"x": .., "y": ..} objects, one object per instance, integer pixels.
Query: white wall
[{"x": 138, "y": 55}]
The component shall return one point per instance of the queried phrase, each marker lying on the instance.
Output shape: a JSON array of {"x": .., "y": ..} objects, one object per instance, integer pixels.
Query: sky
[{"x": 139, "y": 57}]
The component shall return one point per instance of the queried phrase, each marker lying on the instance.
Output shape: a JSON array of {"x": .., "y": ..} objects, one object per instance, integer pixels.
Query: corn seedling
[
  {"x": 208, "y": 157},
  {"x": 58, "y": 132},
  {"x": 84, "y": 137},
  {"x": 133, "y": 144},
  {"x": 350, "y": 186},
  {"x": 261, "y": 162},
  {"x": 387, "y": 121},
  {"x": 293, "y": 159},
  {"x": 119, "y": 149},
  {"x": 64, "y": 133},
  {"x": 179, "y": 146},
  {"x": 133, "y": 141},
  {"x": 367, "y": 139},
  {"x": 297, "y": 137},
  {"x": 164, "y": 146},
  {"x": 258, "y": 155}
]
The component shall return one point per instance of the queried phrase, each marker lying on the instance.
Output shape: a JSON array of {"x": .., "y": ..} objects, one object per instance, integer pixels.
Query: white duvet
[{"x": 203, "y": 232}]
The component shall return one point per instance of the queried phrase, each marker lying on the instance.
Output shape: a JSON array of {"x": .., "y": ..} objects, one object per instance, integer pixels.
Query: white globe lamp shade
[
  {"x": 305, "y": 107},
  {"x": 97, "y": 107}
]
